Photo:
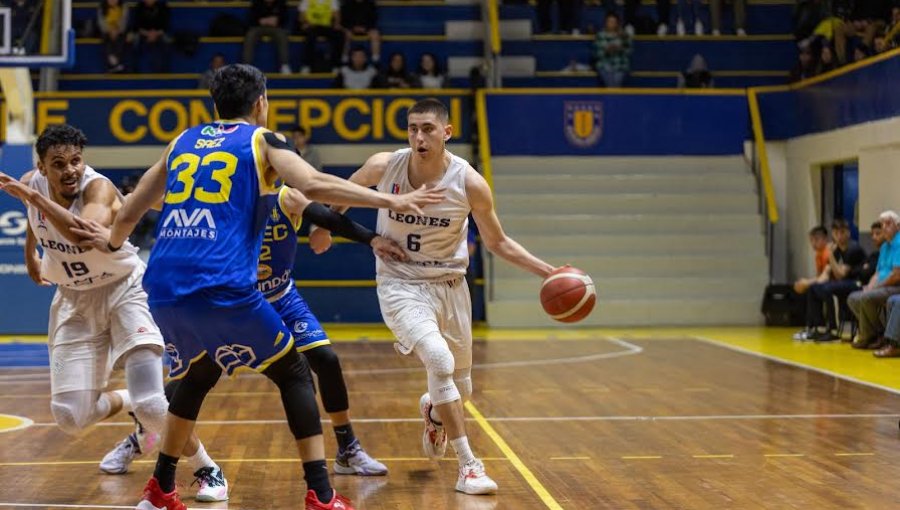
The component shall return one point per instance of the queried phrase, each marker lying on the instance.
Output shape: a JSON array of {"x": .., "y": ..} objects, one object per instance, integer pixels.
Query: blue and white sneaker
[
  {"x": 212, "y": 484},
  {"x": 355, "y": 461}
]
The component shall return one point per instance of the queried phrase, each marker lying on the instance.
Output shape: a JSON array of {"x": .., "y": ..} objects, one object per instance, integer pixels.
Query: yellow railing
[
  {"x": 760, "y": 141},
  {"x": 45, "y": 26},
  {"x": 494, "y": 20},
  {"x": 484, "y": 141}
]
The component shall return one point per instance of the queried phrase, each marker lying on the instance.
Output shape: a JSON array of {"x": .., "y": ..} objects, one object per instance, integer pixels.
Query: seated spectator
[
  {"x": 688, "y": 16},
  {"x": 868, "y": 270},
  {"x": 740, "y": 16},
  {"x": 892, "y": 36},
  {"x": 865, "y": 20},
  {"x": 25, "y": 35},
  {"x": 396, "y": 76},
  {"x": 818, "y": 240},
  {"x": 217, "y": 61},
  {"x": 697, "y": 75},
  {"x": 868, "y": 304},
  {"x": 861, "y": 52},
  {"x": 569, "y": 16},
  {"x": 360, "y": 17},
  {"x": 359, "y": 74},
  {"x": 612, "y": 52},
  {"x": 891, "y": 348},
  {"x": 321, "y": 18},
  {"x": 150, "y": 33},
  {"x": 843, "y": 273},
  {"x": 806, "y": 65},
  {"x": 268, "y": 18},
  {"x": 112, "y": 19},
  {"x": 880, "y": 44},
  {"x": 429, "y": 73},
  {"x": 300, "y": 137},
  {"x": 826, "y": 60}
]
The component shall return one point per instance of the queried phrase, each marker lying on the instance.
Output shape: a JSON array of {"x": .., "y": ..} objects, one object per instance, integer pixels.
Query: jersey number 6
[{"x": 412, "y": 242}]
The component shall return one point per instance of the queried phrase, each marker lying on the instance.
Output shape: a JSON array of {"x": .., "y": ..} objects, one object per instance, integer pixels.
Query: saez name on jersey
[
  {"x": 198, "y": 224},
  {"x": 412, "y": 219}
]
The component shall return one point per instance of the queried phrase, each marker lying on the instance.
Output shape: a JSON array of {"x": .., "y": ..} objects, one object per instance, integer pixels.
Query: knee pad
[
  {"x": 463, "y": 380},
  {"x": 298, "y": 395},
  {"x": 77, "y": 410},
  {"x": 438, "y": 361},
  {"x": 327, "y": 366},
  {"x": 151, "y": 411}
]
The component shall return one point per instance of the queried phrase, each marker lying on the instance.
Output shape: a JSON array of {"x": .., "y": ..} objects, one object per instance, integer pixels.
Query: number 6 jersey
[
  {"x": 436, "y": 241},
  {"x": 64, "y": 262}
]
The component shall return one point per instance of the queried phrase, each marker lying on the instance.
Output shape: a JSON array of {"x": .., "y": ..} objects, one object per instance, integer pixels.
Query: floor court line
[
  {"x": 517, "y": 463},
  {"x": 812, "y": 368}
]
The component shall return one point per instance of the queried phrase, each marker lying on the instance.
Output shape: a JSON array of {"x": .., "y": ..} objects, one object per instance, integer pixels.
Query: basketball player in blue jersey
[{"x": 217, "y": 185}]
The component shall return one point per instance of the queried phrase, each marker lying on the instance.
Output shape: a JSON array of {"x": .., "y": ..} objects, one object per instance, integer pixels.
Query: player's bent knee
[
  {"x": 322, "y": 359},
  {"x": 75, "y": 415},
  {"x": 327, "y": 366},
  {"x": 151, "y": 411},
  {"x": 294, "y": 380}
]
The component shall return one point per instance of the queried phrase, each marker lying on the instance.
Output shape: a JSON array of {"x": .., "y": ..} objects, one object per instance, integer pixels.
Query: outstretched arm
[
  {"x": 496, "y": 241},
  {"x": 369, "y": 174}
]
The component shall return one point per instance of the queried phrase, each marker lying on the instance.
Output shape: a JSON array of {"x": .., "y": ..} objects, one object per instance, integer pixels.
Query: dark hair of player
[
  {"x": 56, "y": 135},
  {"x": 431, "y": 105},
  {"x": 235, "y": 88}
]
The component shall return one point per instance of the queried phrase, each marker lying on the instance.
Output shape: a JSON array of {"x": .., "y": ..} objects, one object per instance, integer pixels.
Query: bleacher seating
[{"x": 414, "y": 27}]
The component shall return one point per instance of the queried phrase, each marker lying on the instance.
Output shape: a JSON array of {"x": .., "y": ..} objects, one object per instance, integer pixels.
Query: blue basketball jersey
[
  {"x": 218, "y": 197},
  {"x": 276, "y": 259}
]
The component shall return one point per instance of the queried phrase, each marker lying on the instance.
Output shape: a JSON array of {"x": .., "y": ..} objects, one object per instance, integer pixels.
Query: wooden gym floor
[{"x": 585, "y": 419}]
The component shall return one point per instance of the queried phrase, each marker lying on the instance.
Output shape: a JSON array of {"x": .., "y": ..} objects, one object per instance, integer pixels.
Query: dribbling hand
[{"x": 14, "y": 188}]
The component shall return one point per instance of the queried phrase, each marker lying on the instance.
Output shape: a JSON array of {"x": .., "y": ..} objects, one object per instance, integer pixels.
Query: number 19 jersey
[{"x": 219, "y": 193}]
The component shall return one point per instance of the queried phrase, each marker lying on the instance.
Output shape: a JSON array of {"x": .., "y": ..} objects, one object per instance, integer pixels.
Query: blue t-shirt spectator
[{"x": 888, "y": 258}]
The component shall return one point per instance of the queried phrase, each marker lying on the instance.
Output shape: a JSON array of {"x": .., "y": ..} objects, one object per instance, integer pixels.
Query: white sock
[
  {"x": 126, "y": 400},
  {"x": 201, "y": 459},
  {"x": 463, "y": 452}
]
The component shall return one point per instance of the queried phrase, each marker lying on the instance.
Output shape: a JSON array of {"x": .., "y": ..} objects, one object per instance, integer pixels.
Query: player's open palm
[
  {"x": 387, "y": 249},
  {"x": 414, "y": 201},
  {"x": 13, "y": 187},
  {"x": 319, "y": 241}
]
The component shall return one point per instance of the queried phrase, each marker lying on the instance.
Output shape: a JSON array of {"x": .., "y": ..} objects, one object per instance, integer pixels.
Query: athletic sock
[
  {"x": 200, "y": 460},
  {"x": 126, "y": 399},
  {"x": 316, "y": 475},
  {"x": 165, "y": 472},
  {"x": 463, "y": 452},
  {"x": 344, "y": 436}
]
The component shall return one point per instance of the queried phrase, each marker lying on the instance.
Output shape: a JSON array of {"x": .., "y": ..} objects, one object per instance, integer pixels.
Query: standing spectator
[
  {"x": 359, "y": 74},
  {"x": 151, "y": 26},
  {"x": 429, "y": 72},
  {"x": 844, "y": 270},
  {"x": 25, "y": 34},
  {"x": 806, "y": 65},
  {"x": 268, "y": 18},
  {"x": 300, "y": 137},
  {"x": 865, "y": 20},
  {"x": 826, "y": 60},
  {"x": 689, "y": 15},
  {"x": 740, "y": 16},
  {"x": 568, "y": 16},
  {"x": 112, "y": 18},
  {"x": 808, "y": 14},
  {"x": 612, "y": 51},
  {"x": 630, "y": 18},
  {"x": 320, "y": 18},
  {"x": 360, "y": 17},
  {"x": 396, "y": 76},
  {"x": 697, "y": 75},
  {"x": 217, "y": 61},
  {"x": 868, "y": 304}
]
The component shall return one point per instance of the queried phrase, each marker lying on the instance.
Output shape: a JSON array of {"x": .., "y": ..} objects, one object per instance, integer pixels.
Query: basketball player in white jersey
[
  {"x": 425, "y": 300},
  {"x": 99, "y": 319}
]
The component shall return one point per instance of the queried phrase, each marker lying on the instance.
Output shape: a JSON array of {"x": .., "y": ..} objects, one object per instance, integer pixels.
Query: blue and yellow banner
[{"x": 155, "y": 118}]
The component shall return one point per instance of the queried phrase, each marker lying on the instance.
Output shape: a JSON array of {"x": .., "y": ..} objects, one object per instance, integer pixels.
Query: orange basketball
[{"x": 568, "y": 294}]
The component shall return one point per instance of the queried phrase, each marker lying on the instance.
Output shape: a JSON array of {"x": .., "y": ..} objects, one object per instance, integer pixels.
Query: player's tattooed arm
[{"x": 495, "y": 239}]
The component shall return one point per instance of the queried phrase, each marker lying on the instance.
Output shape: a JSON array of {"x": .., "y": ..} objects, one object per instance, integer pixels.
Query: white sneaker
[
  {"x": 213, "y": 485},
  {"x": 434, "y": 439},
  {"x": 741, "y": 32},
  {"x": 679, "y": 27},
  {"x": 116, "y": 462},
  {"x": 304, "y": 70},
  {"x": 629, "y": 29},
  {"x": 802, "y": 335},
  {"x": 285, "y": 69},
  {"x": 663, "y": 30},
  {"x": 355, "y": 461},
  {"x": 473, "y": 480},
  {"x": 698, "y": 27},
  {"x": 716, "y": 32}
]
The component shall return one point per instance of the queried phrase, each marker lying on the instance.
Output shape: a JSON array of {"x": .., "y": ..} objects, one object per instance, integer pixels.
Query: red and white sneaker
[
  {"x": 473, "y": 480},
  {"x": 337, "y": 502},
  {"x": 434, "y": 439},
  {"x": 155, "y": 499}
]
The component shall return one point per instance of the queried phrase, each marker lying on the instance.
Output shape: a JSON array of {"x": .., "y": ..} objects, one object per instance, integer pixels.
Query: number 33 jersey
[
  {"x": 435, "y": 241},
  {"x": 219, "y": 193},
  {"x": 64, "y": 262}
]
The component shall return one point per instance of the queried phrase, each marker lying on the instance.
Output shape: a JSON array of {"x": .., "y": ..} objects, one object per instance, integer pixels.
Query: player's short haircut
[
  {"x": 56, "y": 135},
  {"x": 840, "y": 224},
  {"x": 431, "y": 105},
  {"x": 819, "y": 231},
  {"x": 235, "y": 88}
]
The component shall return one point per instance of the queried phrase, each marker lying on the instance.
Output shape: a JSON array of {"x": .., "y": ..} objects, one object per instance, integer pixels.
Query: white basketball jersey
[
  {"x": 435, "y": 241},
  {"x": 67, "y": 264}
]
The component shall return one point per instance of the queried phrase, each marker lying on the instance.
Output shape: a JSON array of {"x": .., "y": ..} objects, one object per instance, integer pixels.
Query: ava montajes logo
[{"x": 583, "y": 122}]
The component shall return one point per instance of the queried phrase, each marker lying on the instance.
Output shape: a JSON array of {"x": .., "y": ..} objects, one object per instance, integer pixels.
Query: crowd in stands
[
  {"x": 833, "y": 33},
  {"x": 851, "y": 287}
]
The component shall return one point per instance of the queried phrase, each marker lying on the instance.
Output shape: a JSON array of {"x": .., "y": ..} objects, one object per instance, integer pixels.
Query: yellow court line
[
  {"x": 719, "y": 456},
  {"x": 570, "y": 458},
  {"x": 517, "y": 463},
  {"x": 784, "y": 455},
  {"x": 854, "y": 454},
  {"x": 641, "y": 457}
]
